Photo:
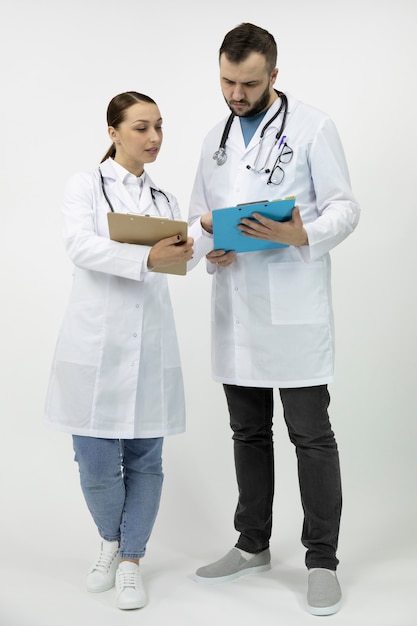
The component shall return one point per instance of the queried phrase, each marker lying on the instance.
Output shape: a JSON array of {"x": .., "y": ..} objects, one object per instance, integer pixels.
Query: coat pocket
[{"x": 298, "y": 293}]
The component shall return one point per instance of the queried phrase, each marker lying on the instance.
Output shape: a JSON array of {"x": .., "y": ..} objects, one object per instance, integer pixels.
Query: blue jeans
[
  {"x": 122, "y": 482},
  {"x": 307, "y": 420}
]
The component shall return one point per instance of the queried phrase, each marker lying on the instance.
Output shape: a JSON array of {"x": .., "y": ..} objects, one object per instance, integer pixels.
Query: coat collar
[
  {"x": 116, "y": 188},
  {"x": 108, "y": 170}
]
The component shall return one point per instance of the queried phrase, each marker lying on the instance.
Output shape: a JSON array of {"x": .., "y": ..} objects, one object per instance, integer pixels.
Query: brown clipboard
[{"x": 147, "y": 230}]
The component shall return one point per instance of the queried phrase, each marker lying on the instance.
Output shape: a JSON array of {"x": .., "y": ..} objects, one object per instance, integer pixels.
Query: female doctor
[{"x": 116, "y": 382}]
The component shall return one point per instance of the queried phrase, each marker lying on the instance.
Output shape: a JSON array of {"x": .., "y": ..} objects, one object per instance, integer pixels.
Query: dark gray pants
[{"x": 306, "y": 416}]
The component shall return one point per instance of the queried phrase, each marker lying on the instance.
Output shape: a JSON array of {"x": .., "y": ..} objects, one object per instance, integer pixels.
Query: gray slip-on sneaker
[
  {"x": 324, "y": 596},
  {"x": 232, "y": 566}
]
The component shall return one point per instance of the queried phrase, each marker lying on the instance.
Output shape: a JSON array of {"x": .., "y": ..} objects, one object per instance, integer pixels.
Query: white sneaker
[
  {"x": 103, "y": 573},
  {"x": 131, "y": 593}
]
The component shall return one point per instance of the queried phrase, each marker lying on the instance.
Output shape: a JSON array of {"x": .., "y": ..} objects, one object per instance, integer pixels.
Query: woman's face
[{"x": 139, "y": 137}]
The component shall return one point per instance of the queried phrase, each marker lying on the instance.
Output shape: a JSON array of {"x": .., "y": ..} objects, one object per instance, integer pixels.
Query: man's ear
[{"x": 274, "y": 75}]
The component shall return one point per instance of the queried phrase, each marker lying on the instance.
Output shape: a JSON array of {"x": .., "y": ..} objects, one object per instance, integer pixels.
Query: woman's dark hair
[
  {"x": 246, "y": 38},
  {"x": 116, "y": 112}
]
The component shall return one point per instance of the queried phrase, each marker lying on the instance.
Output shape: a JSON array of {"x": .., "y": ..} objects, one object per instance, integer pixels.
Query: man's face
[{"x": 247, "y": 86}]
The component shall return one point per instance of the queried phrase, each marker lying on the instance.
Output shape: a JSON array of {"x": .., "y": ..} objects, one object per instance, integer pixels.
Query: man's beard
[{"x": 257, "y": 107}]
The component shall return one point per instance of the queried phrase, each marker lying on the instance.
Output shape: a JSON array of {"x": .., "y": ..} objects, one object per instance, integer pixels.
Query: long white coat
[
  {"x": 116, "y": 371},
  {"x": 272, "y": 320}
]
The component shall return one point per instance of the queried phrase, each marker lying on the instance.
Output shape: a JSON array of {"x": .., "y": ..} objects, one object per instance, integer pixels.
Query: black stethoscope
[
  {"x": 153, "y": 194},
  {"x": 220, "y": 155}
]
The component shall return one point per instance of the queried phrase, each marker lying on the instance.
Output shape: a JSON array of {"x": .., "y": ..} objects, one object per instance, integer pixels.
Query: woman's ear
[{"x": 113, "y": 134}]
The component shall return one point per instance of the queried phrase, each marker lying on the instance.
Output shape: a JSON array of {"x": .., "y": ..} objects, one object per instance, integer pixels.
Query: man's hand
[
  {"x": 221, "y": 258},
  {"x": 206, "y": 222},
  {"x": 291, "y": 233}
]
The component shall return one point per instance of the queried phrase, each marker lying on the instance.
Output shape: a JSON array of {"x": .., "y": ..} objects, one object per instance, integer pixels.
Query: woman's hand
[{"x": 170, "y": 251}]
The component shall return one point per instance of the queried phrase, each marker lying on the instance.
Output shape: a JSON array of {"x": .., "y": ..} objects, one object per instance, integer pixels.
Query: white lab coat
[
  {"x": 272, "y": 320},
  {"x": 116, "y": 371}
]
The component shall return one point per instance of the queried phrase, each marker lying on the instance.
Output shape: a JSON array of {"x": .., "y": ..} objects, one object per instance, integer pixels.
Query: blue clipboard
[{"x": 227, "y": 235}]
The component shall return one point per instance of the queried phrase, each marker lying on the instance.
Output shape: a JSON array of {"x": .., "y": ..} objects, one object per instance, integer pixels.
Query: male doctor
[{"x": 272, "y": 310}]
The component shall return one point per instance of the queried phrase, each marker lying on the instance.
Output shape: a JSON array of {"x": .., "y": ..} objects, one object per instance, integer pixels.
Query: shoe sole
[
  {"x": 222, "y": 579},
  {"x": 130, "y": 607},
  {"x": 324, "y": 610},
  {"x": 101, "y": 589}
]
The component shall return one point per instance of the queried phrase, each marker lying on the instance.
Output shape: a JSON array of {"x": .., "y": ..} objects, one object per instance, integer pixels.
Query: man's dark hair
[{"x": 246, "y": 38}]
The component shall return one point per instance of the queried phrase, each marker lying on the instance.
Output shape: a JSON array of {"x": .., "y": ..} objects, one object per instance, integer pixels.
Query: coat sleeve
[
  {"x": 203, "y": 241},
  {"x": 337, "y": 208},
  {"x": 198, "y": 201},
  {"x": 87, "y": 242}
]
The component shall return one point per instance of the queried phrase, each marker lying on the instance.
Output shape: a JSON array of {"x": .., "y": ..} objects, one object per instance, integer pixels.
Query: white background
[{"x": 61, "y": 63}]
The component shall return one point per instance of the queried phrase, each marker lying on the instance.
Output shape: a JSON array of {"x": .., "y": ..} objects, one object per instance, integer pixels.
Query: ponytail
[{"x": 110, "y": 154}]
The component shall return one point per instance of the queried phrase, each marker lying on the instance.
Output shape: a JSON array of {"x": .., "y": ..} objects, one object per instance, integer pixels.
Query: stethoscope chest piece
[{"x": 220, "y": 156}]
